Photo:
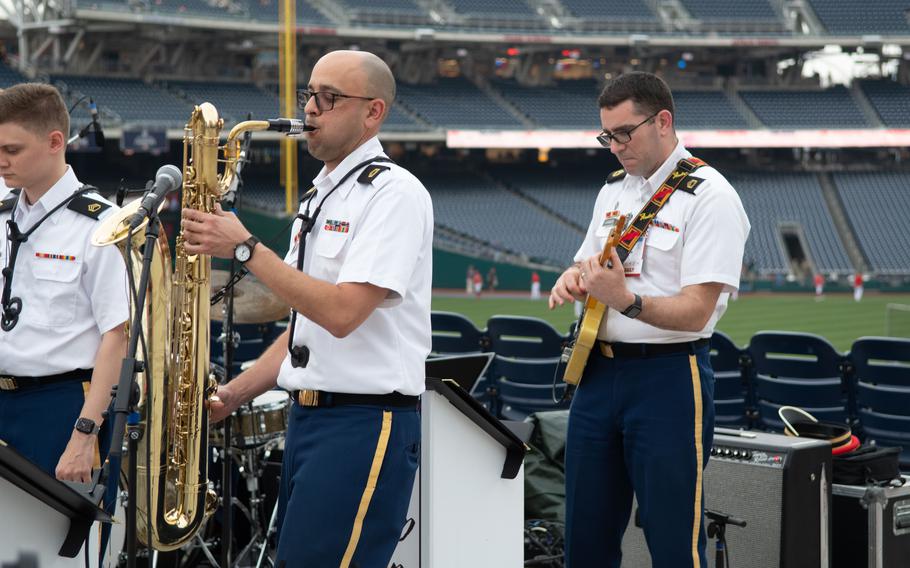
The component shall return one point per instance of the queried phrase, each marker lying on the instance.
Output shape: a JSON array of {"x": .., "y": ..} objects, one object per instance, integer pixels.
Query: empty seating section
[
  {"x": 728, "y": 10},
  {"x": 706, "y": 110},
  {"x": 566, "y": 106},
  {"x": 233, "y": 100},
  {"x": 188, "y": 7},
  {"x": 880, "y": 17},
  {"x": 264, "y": 193},
  {"x": 511, "y": 8},
  {"x": 788, "y": 199},
  {"x": 609, "y": 9},
  {"x": 455, "y": 103},
  {"x": 400, "y": 121},
  {"x": 570, "y": 193},
  {"x": 889, "y": 99},
  {"x": 268, "y": 11},
  {"x": 134, "y": 101},
  {"x": 877, "y": 208},
  {"x": 789, "y": 110},
  {"x": 9, "y": 76},
  {"x": 468, "y": 203}
]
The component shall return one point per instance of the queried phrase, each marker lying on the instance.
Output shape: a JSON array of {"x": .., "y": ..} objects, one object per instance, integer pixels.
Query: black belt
[
  {"x": 12, "y": 383},
  {"x": 326, "y": 399},
  {"x": 642, "y": 350}
]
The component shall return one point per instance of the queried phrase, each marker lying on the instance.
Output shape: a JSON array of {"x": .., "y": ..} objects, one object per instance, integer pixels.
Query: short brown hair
[
  {"x": 648, "y": 92},
  {"x": 37, "y": 107}
]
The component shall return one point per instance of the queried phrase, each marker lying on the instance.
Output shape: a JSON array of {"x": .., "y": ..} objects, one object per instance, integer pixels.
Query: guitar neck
[{"x": 613, "y": 240}]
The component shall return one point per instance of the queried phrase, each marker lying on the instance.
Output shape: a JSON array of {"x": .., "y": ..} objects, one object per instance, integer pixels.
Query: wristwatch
[
  {"x": 86, "y": 426},
  {"x": 634, "y": 308},
  {"x": 244, "y": 251}
]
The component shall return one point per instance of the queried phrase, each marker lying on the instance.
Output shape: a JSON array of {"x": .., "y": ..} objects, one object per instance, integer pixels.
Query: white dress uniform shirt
[
  {"x": 72, "y": 292},
  {"x": 380, "y": 233},
  {"x": 694, "y": 239}
]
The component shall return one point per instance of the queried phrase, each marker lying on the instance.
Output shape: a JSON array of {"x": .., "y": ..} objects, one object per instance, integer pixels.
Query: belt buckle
[
  {"x": 308, "y": 398},
  {"x": 8, "y": 383}
]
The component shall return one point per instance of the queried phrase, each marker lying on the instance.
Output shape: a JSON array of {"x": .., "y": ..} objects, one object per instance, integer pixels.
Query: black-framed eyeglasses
[
  {"x": 620, "y": 136},
  {"x": 325, "y": 100}
]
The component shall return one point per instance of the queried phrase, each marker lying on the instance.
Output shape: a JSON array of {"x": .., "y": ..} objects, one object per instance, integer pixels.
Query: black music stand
[{"x": 56, "y": 494}]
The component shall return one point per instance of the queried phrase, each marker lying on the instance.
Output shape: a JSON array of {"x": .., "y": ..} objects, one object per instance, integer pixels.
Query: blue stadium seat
[
  {"x": 881, "y": 370},
  {"x": 789, "y": 110},
  {"x": 880, "y": 17},
  {"x": 725, "y": 10},
  {"x": 526, "y": 337},
  {"x": 525, "y": 386},
  {"x": 876, "y": 204},
  {"x": 798, "y": 369},
  {"x": 731, "y": 393},
  {"x": 889, "y": 98},
  {"x": 453, "y": 333},
  {"x": 455, "y": 103},
  {"x": 10, "y": 77},
  {"x": 131, "y": 99}
]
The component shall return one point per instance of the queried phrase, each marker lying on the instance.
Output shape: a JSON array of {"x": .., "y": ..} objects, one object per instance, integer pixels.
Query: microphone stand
[
  {"x": 125, "y": 416},
  {"x": 717, "y": 528},
  {"x": 227, "y": 335}
]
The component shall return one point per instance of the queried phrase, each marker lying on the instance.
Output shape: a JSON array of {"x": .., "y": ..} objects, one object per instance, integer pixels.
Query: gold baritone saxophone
[{"x": 176, "y": 382}]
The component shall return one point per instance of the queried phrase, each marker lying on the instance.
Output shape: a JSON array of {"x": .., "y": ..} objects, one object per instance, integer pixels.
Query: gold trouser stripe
[
  {"x": 699, "y": 453},
  {"x": 378, "y": 457}
]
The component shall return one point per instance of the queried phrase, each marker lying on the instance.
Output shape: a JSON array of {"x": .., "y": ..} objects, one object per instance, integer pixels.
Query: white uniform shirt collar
[
  {"x": 327, "y": 180},
  {"x": 651, "y": 184},
  {"x": 65, "y": 186}
]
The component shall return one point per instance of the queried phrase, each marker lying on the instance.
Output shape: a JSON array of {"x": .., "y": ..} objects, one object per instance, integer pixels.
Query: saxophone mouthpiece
[{"x": 291, "y": 126}]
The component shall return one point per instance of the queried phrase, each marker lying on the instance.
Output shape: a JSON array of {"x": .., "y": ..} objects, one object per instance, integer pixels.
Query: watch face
[
  {"x": 85, "y": 425},
  {"x": 242, "y": 253}
]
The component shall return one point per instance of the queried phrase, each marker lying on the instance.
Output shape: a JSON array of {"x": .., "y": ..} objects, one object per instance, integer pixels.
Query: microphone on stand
[
  {"x": 97, "y": 134},
  {"x": 167, "y": 179}
]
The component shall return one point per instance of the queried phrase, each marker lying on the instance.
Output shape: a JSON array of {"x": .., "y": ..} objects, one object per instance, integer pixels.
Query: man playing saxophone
[
  {"x": 360, "y": 286},
  {"x": 64, "y": 302}
]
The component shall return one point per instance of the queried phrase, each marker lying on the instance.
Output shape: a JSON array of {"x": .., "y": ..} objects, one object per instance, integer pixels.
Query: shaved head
[{"x": 371, "y": 72}]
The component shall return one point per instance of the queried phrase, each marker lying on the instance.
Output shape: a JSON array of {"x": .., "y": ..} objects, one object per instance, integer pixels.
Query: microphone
[
  {"x": 97, "y": 134},
  {"x": 167, "y": 179},
  {"x": 292, "y": 126}
]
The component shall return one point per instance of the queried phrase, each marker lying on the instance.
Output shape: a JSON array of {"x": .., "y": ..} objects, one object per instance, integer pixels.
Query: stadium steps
[
  {"x": 451, "y": 239},
  {"x": 744, "y": 109},
  {"x": 504, "y": 103},
  {"x": 842, "y": 223},
  {"x": 865, "y": 105},
  {"x": 806, "y": 15},
  {"x": 333, "y": 11},
  {"x": 445, "y": 12},
  {"x": 533, "y": 202},
  {"x": 672, "y": 13}
]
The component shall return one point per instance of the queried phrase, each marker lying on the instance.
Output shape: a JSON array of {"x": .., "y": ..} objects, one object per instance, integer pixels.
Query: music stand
[{"x": 60, "y": 500}]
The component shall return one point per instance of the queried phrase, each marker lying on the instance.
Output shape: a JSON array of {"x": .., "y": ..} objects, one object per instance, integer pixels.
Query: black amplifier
[{"x": 779, "y": 485}]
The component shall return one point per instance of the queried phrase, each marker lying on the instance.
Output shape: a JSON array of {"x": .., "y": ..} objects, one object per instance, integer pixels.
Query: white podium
[
  {"x": 467, "y": 507},
  {"x": 42, "y": 517}
]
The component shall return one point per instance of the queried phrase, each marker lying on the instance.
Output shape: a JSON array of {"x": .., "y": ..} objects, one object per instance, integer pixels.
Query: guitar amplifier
[{"x": 781, "y": 487}]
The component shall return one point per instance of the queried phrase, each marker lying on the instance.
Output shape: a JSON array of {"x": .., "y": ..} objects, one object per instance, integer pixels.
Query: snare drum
[{"x": 262, "y": 420}]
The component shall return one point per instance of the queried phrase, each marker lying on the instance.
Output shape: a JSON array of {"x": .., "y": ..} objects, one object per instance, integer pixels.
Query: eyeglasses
[
  {"x": 325, "y": 101},
  {"x": 621, "y": 136}
]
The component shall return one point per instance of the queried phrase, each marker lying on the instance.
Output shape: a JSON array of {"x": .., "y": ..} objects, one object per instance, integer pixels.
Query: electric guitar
[{"x": 576, "y": 354}]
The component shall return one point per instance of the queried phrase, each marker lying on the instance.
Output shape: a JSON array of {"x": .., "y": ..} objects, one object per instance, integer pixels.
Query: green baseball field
[{"x": 835, "y": 316}]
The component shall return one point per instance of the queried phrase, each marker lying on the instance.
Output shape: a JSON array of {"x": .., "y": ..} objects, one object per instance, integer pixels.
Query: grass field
[{"x": 836, "y": 317}]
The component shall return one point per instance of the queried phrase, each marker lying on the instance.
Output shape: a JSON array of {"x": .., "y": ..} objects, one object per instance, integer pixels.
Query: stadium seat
[
  {"x": 525, "y": 386},
  {"x": 798, "y": 369},
  {"x": 731, "y": 393},
  {"x": 526, "y": 337},
  {"x": 453, "y": 333},
  {"x": 881, "y": 371}
]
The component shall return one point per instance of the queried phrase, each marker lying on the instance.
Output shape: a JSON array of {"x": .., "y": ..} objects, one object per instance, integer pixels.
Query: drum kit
[{"x": 255, "y": 449}]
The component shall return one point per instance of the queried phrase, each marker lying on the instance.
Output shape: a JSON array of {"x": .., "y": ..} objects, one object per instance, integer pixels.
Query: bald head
[{"x": 371, "y": 72}]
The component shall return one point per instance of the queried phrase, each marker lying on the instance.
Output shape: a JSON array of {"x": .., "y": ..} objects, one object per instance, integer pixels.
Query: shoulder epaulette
[
  {"x": 88, "y": 206},
  {"x": 690, "y": 184},
  {"x": 10, "y": 201},
  {"x": 370, "y": 173},
  {"x": 616, "y": 176}
]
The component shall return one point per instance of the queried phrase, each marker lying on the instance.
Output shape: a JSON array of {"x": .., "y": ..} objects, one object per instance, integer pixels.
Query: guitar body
[{"x": 576, "y": 354}]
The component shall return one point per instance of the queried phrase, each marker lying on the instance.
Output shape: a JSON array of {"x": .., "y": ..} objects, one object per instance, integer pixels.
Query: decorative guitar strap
[{"x": 678, "y": 179}]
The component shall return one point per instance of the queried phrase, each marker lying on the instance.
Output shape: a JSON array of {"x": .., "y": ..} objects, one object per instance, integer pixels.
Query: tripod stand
[{"x": 717, "y": 528}]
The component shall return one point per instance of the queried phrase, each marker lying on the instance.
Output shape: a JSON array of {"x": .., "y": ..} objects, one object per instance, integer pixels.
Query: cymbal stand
[{"x": 252, "y": 469}]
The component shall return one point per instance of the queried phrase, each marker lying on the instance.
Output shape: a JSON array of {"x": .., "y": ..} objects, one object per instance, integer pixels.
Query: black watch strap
[{"x": 634, "y": 308}]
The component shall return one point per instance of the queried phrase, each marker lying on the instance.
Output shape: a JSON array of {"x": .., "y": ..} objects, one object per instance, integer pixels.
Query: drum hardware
[{"x": 253, "y": 302}]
